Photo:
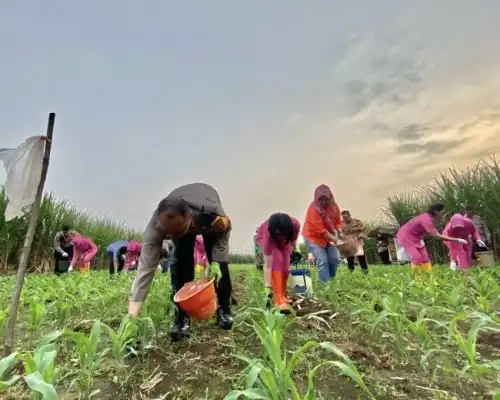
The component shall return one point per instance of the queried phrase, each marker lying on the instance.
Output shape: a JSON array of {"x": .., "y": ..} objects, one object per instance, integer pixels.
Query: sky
[{"x": 262, "y": 99}]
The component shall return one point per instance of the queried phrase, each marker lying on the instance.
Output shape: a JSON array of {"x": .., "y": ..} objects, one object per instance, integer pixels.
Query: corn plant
[
  {"x": 88, "y": 358},
  {"x": 271, "y": 377},
  {"x": 467, "y": 345},
  {"x": 37, "y": 314},
  {"x": 40, "y": 371},
  {"x": 122, "y": 338},
  {"x": 6, "y": 379}
]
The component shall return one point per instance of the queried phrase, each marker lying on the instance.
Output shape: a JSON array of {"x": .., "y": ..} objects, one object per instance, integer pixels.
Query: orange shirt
[{"x": 314, "y": 227}]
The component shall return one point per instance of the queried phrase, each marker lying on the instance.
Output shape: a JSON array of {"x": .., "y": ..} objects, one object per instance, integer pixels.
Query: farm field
[{"x": 383, "y": 336}]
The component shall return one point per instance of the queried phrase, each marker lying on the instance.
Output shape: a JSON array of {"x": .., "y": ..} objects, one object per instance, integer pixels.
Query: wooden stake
[{"x": 25, "y": 253}]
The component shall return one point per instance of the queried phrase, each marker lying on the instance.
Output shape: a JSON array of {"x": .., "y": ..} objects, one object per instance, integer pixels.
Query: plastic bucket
[
  {"x": 485, "y": 259},
  {"x": 62, "y": 266},
  {"x": 197, "y": 299},
  {"x": 301, "y": 281},
  {"x": 348, "y": 247}
]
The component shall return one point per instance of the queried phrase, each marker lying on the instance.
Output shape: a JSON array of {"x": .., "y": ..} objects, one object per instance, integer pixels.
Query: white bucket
[{"x": 302, "y": 282}]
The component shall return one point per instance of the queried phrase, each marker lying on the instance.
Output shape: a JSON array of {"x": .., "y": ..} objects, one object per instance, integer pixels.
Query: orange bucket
[{"x": 197, "y": 299}]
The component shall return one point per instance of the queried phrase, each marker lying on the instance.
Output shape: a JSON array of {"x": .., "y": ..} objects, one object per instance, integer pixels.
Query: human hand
[
  {"x": 480, "y": 243},
  {"x": 64, "y": 254},
  {"x": 462, "y": 241},
  {"x": 453, "y": 266},
  {"x": 70, "y": 268}
]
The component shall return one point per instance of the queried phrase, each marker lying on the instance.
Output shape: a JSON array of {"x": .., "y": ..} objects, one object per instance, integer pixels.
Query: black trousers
[
  {"x": 384, "y": 256},
  {"x": 362, "y": 263},
  {"x": 58, "y": 257},
  {"x": 121, "y": 264},
  {"x": 182, "y": 270}
]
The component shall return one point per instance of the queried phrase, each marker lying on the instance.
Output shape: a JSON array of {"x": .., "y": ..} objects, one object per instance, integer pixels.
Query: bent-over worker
[{"x": 187, "y": 211}]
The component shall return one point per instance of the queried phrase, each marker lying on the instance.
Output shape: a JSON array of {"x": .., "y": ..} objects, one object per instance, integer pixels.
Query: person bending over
[{"x": 187, "y": 211}]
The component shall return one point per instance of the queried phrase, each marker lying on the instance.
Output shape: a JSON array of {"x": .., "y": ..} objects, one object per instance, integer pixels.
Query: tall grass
[
  {"x": 53, "y": 214},
  {"x": 478, "y": 186}
]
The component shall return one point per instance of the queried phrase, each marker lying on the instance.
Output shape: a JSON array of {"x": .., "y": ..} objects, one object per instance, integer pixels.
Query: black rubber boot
[
  {"x": 180, "y": 328},
  {"x": 224, "y": 319}
]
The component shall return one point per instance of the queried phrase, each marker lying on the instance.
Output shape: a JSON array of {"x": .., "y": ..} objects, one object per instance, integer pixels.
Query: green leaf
[
  {"x": 253, "y": 394},
  {"x": 6, "y": 364},
  {"x": 37, "y": 384}
]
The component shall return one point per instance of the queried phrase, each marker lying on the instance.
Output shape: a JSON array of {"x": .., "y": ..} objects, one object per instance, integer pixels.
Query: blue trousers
[{"x": 327, "y": 260}]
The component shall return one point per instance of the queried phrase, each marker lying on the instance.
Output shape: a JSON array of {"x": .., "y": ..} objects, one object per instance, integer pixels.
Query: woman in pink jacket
[
  {"x": 277, "y": 237},
  {"x": 411, "y": 236},
  {"x": 84, "y": 250},
  {"x": 461, "y": 254},
  {"x": 133, "y": 253}
]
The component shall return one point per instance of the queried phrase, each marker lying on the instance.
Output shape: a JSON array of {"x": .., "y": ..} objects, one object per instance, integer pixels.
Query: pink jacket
[
  {"x": 412, "y": 233},
  {"x": 84, "y": 249},
  {"x": 200, "y": 255},
  {"x": 267, "y": 245},
  {"x": 133, "y": 253},
  {"x": 461, "y": 227}
]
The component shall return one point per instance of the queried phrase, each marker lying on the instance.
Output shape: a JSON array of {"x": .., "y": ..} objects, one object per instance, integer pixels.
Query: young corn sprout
[{"x": 271, "y": 377}]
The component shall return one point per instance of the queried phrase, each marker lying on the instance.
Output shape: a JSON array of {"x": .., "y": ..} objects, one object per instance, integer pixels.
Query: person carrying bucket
[
  {"x": 200, "y": 256},
  {"x": 321, "y": 232},
  {"x": 277, "y": 237},
  {"x": 116, "y": 253},
  {"x": 63, "y": 249},
  {"x": 354, "y": 228},
  {"x": 461, "y": 254},
  {"x": 411, "y": 235},
  {"x": 133, "y": 252},
  {"x": 482, "y": 230},
  {"x": 84, "y": 251},
  {"x": 186, "y": 212}
]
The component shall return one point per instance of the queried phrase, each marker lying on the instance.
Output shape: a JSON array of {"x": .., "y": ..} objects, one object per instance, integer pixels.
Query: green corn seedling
[
  {"x": 467, "y": 345},
  {"x": 6, "y": 379},
  {"x": 122, "y": 338},
  {"x": 37, "y": 314},
  {"x": 40, "y": 371},
  {"x": 88, "y": 358},
  {"x": 272, "y": 376}
]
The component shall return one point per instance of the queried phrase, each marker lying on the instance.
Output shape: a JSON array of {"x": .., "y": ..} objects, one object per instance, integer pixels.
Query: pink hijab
[{"x": 327, "y": 213}]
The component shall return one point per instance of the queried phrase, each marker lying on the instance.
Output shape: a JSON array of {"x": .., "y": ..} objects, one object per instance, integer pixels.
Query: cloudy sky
[{"x": 262, "y": 99}]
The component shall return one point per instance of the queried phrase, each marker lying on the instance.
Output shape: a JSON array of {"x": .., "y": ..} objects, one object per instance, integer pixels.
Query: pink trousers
[
  {"x": 461, "y": 254},
  {"x": 418, "y": 255}
]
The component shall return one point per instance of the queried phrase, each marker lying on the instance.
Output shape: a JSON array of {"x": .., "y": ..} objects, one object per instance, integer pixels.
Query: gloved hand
[
  {"x": 133, "y": 264},
  {"x": 213, "y": 270},
  {"x": 462, "y": 241},
  {"x": 453, "y": 266},
  {"x": 221, "y": 224},
  {"x": 480, "y": 243},
  {"x": 70, "y": 268},
  {"x": 64, "y": 254}
]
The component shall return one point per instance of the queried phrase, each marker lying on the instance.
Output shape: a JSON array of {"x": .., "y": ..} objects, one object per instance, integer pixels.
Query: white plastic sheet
[
  {"x": 24, "y": 168},
  {"x": 400, "y": 252}
]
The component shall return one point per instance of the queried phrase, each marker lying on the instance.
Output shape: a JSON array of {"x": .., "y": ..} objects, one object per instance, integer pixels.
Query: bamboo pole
[{"x": 23, "y": 260}]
